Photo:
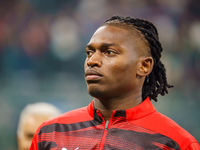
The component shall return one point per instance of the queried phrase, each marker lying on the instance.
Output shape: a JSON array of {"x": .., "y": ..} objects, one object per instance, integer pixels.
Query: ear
[{"x": 145, "y": 66}]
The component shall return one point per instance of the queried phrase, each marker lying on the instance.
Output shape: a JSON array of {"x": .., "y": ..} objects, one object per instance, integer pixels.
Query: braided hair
[{"x": 156, "y": 82}]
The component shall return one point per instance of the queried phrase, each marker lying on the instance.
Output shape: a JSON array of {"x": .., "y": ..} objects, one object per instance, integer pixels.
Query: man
[
  {"x": 30, "y": 119},
  {"x": 123, "y": 73}
]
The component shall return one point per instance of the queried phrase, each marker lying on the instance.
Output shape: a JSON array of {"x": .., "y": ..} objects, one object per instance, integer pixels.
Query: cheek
[
  {"x": 123, "y": 66},
  {"x": 123, "y": 71},
  {"x": 85, "y": 64},
  {"x": 119, "y": 69}
]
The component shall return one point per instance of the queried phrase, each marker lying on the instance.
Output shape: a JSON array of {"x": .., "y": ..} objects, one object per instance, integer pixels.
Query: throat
[{"x": 106, "y": 107}]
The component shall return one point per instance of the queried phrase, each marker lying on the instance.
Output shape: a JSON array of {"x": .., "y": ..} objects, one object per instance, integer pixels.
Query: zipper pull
[{"x": 106, "y": 127}]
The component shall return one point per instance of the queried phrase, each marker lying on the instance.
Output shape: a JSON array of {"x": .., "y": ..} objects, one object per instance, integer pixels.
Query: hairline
[{"x": 132, "y": 29}]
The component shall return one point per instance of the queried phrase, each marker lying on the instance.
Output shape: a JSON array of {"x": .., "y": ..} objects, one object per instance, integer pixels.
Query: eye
[
  {"x": 29, "y": 135},
  {"x": 110, "y": 52},
  {"x": 89, "y": 53}
]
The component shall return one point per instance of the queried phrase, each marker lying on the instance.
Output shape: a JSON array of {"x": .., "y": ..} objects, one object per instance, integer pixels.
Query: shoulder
[
  {"x": 162, "y": 124},
  {"x": 74, "y": 116}
]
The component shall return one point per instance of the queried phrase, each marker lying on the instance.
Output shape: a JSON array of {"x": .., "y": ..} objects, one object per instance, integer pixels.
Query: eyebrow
[{"x": 103, "y": 45}]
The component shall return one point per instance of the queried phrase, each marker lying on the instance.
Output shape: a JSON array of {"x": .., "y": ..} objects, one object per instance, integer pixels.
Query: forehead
[
  {"x": 113, "y": 33},
  {"x": 124, "y": 37},
  {"x": 33, "y": 121}
]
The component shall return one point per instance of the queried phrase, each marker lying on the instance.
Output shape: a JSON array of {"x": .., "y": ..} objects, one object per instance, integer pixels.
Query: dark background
[{"x": 42, "y": 51}]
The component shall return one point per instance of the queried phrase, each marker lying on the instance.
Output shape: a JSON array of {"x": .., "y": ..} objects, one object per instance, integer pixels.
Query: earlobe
[{"x": 145, "y": 66}]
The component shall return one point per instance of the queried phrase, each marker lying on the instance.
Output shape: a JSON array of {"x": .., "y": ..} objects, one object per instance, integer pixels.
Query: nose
[{"x": 94, "y": 60}]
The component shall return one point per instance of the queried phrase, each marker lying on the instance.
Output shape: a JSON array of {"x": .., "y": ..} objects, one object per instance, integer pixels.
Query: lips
[{"x": 92, "y": 75}]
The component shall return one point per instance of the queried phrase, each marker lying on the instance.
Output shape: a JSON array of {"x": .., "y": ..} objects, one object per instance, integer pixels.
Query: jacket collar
[{"x": 143, "y": 109}]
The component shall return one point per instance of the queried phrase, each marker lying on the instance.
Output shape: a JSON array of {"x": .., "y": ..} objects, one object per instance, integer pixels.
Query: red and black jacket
[{"x": 139, "y": 128}]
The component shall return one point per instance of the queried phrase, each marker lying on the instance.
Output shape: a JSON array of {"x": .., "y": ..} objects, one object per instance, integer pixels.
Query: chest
[{"x": 104, "y": 137}]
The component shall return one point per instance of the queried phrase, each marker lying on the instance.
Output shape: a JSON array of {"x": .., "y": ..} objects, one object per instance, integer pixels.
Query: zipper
[
  {"x": 105, "y": 130},
  {"x": 106, "y": 126},
  {"x": 104, "y": 135}
]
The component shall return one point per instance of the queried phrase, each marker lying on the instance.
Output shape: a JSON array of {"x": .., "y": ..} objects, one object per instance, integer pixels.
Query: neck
[{"x": 106, "y": 106}]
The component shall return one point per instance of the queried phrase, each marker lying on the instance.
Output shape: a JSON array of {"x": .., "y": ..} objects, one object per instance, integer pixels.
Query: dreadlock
[{"x": 156, "y": 82}]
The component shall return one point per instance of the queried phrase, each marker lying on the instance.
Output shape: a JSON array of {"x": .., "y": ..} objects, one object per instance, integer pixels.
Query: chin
[{"x": 95, "y": 92}]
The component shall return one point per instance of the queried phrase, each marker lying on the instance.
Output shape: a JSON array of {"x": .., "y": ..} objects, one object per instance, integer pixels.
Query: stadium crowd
[{"x": 42, "y": 46}]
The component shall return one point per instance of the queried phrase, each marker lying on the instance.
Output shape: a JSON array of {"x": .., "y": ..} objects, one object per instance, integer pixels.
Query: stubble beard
[{"x": 95, "y": 92}]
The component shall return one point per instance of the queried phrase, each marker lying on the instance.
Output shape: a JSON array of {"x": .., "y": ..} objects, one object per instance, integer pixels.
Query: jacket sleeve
[
  {"x": 34, "y": 145},
  {"x": 193, "y": 146}
]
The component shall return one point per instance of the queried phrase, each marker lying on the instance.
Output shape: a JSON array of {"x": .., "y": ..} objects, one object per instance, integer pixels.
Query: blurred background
[{"x": 42, "y": 51}]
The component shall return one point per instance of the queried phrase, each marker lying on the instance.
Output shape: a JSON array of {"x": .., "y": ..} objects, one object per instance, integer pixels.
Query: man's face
[
  {"x": 113, "y": 57},
  {"x": 30, "y": 125}
]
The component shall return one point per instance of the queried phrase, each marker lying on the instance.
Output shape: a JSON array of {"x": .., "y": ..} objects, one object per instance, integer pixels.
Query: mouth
[{"x": 92, "y": 75}]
